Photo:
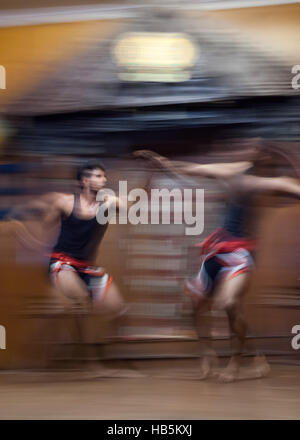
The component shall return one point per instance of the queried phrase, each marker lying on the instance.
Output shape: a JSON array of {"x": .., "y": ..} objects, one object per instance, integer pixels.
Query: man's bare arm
[
  {"x": 35, "y": 207},
  {"x": 179, "y": 168},
  {"x": 47, "y": 208},
  {"x": 281, "y": 185}
]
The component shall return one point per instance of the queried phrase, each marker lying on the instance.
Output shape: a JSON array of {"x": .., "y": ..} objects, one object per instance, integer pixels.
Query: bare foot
[
  {"x": 259, "y": 369},
  {"x": 228, "y": 376},
  {"x": 262, "y": 365},
  {"x": 207, "y": 366},
  {"x": 231, "y": 372}
]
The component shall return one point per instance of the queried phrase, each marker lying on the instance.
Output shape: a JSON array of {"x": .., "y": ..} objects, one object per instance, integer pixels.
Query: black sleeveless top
[
  {"x": 239, "y": 218},
  {"x": 79, "y": 238},
  {"x": 236, "y": 215},
  {"x": 239, "y": 214}
]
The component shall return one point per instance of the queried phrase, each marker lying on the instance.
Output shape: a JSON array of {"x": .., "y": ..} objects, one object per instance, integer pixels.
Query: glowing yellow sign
[{"x": 153, "y": 56}]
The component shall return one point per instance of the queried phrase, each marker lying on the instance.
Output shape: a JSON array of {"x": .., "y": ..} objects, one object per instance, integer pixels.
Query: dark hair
[{"x": 84, "y": 170}]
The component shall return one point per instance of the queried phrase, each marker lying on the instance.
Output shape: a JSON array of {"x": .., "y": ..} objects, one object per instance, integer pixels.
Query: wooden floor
[{"x": 167, "y": 391}]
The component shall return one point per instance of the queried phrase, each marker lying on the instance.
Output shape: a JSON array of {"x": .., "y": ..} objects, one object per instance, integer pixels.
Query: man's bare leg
[
  {"x": 239, "y": 328},
  {"x": 202, "y": 321},
  {"x": 229, "y": 298},
  {"x": 111, "y": 309},
  {"x": 70, "y": 286}
]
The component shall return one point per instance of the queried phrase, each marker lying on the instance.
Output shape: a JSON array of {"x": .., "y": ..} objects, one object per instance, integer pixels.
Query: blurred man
[
  {"x": 71, "y": 265},
  {"x": 227, "y": 253}
]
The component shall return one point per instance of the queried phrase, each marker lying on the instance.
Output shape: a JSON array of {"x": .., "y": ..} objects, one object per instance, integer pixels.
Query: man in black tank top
[
  {"x": 71, "y": 264},
  {"x": 227, "y": 261},
  {"x": 71, "y": 268}
]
